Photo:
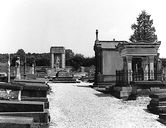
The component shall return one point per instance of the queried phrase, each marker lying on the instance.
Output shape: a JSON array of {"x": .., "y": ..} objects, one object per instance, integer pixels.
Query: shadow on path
[
  {"x": 152, "y": 112},
  {"x": 163, "y": 122}
]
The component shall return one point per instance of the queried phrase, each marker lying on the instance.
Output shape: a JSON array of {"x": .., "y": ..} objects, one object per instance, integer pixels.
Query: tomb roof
[{"x": 110, "y": 44}]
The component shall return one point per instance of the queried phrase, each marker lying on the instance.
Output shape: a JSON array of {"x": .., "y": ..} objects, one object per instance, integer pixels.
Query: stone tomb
[
  {"x": 108, "y": 60},
  {"x": 33, "y": 110},
  {"x": 35, "y": 91}
]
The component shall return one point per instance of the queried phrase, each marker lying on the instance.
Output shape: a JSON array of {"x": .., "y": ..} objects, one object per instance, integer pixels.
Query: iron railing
[{"x": 122, "y": 77}]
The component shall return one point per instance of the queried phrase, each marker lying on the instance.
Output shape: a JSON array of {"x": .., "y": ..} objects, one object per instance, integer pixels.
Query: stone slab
[
  {"x": 63, "y": 79},
  {"x": 15, "y": 122},
  {"x": 40, "y": 99},
  {"x": 11, "y": 86},
  {"x": 35, "y": 90},
  {"x": 33, "y": 93},
  {"x": 155, "y": 91},
  {"x": 41, "y": 81},
  {"x": 38, "y": 117},
  {"x": 21, "y": 106},
  {"x": 162, "y": 109},
  {"x": 10, "y": 125},
  {"x": 158, "y": 95},
  {"x": 158, "y": 99},
  {"x": 35, "y": 86},
  {"x": 129, "y": 89},
  {"x": 162, "y": 116},
  {"x": 121, "y": 94},
  {"x": 157, "y": 103}
]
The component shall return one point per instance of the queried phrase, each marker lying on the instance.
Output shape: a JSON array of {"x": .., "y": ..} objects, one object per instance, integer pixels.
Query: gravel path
[{"x": 77, "y": 106}]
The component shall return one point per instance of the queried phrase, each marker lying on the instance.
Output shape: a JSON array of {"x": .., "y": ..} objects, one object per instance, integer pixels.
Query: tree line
[{"x": 44, "y": 59}]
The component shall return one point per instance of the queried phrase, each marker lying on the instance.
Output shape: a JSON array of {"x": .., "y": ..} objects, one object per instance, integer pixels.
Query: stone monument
[
  {"x": 58, "y": 73},
  {"x": 18, "y": 74},
  {"x": 33, "y": 69},
  {"x": 57, "y": 57}
]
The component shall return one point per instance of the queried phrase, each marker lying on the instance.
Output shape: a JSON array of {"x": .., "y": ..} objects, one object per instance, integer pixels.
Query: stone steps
[
  {"x": 122, "y": 92},
  {"x": 157, "y": 104}
]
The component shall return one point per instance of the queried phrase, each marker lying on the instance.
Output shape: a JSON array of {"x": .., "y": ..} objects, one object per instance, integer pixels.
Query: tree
[
  {"x": 21, "y": 53},
  {"x": 143, "y": 30},
  {"x": 69, "y": 54},
  {"x": 30, "y": 60},
  {"x": 76, "y": 61},
  {"x": 89, "y": 61}
]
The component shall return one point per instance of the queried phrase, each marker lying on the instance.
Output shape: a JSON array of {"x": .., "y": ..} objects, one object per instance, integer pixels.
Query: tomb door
[{"x": 137, "y": 69}]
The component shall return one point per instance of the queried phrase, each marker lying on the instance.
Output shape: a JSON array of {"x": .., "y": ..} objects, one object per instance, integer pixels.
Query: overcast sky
[{"x": 36, "y": 25}]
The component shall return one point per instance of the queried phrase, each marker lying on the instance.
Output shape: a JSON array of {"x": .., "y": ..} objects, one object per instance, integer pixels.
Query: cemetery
[
  {"x": 24, "y": 102},
  {"x": 128, "y": 69},
  {"x": 23, "y": 95},
  {"x": 126, "y": 76}
]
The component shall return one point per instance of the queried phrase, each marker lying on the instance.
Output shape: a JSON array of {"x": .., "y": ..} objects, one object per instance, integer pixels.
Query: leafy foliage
[
  {"x": 21, "y": 53},
  {"x": 143, "y": 30},
  {"x": 69, "y": 54},
  {"x": 44, "y": 59}
]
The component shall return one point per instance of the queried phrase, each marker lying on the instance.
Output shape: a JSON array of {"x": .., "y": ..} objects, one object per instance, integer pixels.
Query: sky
[{"x": 36, "y": 25}]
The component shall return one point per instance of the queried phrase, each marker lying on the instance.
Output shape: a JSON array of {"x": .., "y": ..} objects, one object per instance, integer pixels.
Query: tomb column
[
  {"x": 151, "y": 61},
  {"x": 52, "y": 60},
  {"x": 99, "y": 66},
  {"x": 63, "y": 60},
  {"x": 129, "y": 68},
  {"x": 99, "y": 62},
  {"x": 102, "y": 62},
  {"x": 146, "y": 67}
]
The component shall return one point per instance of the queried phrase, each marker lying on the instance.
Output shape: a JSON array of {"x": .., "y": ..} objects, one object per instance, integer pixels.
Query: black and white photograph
[{"x": 82, "y": 64}]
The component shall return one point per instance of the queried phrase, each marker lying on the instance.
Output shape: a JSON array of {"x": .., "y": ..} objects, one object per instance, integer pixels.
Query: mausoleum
[{"x": 122, "y": 62}]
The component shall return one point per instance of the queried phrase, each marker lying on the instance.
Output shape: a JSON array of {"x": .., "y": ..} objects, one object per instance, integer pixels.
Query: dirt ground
[{"x": 79, "y": 106}]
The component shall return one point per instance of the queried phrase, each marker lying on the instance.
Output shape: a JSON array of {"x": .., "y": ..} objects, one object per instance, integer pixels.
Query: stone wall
[{"x": 111, "y": 62}]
